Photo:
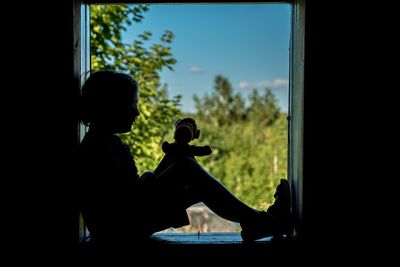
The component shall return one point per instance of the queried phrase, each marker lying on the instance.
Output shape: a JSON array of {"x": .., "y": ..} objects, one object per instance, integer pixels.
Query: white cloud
[
  {"x": 280, "y": 82},
  {"x": 262, "y": 84},
  {"x": 274, "y": 84},
  {"x": 195, "y": 69},
  {"x": 244, "y": 85}
]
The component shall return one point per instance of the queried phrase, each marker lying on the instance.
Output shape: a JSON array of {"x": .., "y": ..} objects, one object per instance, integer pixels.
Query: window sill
[
  {"x": 204, "y": 239},
  {"x": 223, "y": 247}
]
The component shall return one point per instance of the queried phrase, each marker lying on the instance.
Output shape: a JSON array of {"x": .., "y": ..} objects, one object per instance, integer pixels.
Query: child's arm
[{"x": 200, "y": 150}]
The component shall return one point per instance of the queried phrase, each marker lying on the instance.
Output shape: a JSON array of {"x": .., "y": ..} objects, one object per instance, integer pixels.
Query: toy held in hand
[{"x": 185, "y": 131}]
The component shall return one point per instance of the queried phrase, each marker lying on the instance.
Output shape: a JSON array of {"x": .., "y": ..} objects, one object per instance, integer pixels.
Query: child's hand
[
  {"x": 165, "y": 147},
  {"x": 208, "y": 150}
]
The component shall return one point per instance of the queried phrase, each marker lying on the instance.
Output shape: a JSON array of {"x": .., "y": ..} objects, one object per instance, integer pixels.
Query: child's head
[
  {"x": 186, "y": 130},
  {"x": 109, "y": 100}
]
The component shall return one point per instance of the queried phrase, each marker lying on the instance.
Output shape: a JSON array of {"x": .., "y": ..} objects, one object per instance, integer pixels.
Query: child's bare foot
[
  {"x": 275, "y": 221},
  {"x": 282, "y": 204}
]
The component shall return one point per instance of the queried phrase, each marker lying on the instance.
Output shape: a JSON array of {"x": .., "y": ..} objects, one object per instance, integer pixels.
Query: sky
[{"x": 246, "y": 43}]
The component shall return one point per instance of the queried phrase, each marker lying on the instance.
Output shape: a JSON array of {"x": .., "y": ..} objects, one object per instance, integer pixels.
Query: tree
[
  {"x": 249, "y": 141},
  {"x": 144, "y": 61},
  {"x": 223, "y": 107},
  {"x": 264, "y": 109}
]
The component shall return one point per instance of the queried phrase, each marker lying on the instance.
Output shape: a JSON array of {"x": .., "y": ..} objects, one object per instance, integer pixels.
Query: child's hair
[{"x": 105, "y": 92}]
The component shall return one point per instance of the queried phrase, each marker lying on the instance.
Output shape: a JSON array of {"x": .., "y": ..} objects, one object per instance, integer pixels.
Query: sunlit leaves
[
  {"x": 248, "y": 136},
  {"x": 249, "y": 141},
  {"x": 144, "y": 61}
]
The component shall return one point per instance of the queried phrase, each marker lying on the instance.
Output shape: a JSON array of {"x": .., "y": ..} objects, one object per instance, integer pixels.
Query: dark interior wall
[
  {"x": 332, "y": 142},
  {"x": 313, "y": 107},
  {"x": 321, "y": 97},
  {"x": 40, "y": 129},
  {"x": 56, "y": 78}
]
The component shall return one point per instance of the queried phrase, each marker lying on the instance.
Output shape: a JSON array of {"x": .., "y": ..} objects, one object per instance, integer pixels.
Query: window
[{"x": 295, "y": 103}]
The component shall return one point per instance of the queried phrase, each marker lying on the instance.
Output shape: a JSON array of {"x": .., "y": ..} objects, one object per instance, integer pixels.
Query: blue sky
[{"x": 247, "y": 43}]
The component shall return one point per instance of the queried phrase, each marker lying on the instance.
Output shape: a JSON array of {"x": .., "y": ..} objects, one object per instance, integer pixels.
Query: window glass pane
[{"x": 227, "y": 66}]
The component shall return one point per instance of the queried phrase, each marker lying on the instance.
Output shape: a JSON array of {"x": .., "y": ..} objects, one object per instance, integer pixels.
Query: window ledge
[
  {"x": 225, "y": 247},
  {"x": 205, "y": 239}
]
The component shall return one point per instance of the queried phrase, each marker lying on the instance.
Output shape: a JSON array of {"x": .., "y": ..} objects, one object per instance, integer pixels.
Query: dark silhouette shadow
[
  {"x": 119, "y": 206},
  {"x": 185, "y": 131}
]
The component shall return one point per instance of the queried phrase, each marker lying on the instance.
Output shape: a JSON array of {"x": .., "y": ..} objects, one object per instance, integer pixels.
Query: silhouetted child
[
  {"x": 185, "y": 131},
  {"x": 119, "y": 206}
]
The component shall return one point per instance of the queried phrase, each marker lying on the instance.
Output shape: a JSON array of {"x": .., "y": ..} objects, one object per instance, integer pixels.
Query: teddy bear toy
[{"x": 185, "y": 131}]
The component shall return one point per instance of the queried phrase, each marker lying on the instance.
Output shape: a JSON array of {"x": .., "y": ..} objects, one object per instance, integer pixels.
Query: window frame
[{"x": 296, "y": 83}]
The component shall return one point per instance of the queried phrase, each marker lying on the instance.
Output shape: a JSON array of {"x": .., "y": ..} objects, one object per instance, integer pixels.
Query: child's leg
[
  {"x": 202, "y": 186},
  {"x": 199, "y": 185},
  {"x": 164, "y": 165}
]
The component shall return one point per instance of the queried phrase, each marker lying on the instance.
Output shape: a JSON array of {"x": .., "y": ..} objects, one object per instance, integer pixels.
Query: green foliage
[
  {"x": 143, "y": 61},
  {"x": 222, "y": 107},
  {"x": 249, "y": 141}
]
